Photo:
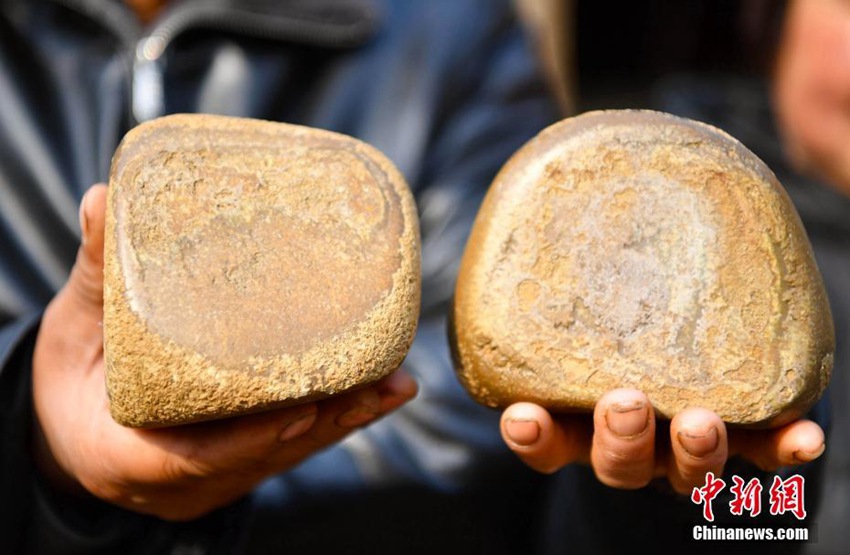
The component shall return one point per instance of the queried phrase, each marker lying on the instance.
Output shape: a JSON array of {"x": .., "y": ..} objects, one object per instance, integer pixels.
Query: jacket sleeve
[
  {"x": 36, "y": 519},
  {"x": 16, "y": 344}
]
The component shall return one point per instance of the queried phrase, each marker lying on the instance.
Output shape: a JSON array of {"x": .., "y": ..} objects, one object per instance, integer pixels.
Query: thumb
[{"x": 85, "y": 284}]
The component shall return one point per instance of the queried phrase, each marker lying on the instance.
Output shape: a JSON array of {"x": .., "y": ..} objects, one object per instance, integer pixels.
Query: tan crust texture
[
  {"x": 251, "y": 265},
  {"x": 631, "y": 248}
]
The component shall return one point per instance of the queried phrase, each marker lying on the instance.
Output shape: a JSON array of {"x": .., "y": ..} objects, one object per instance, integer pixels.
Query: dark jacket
[{"x": 446, "y": 89}]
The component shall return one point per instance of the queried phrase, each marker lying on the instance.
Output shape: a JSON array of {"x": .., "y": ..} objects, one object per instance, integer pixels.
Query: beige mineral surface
[
  {"x": 251, "y": 265},
  {"x": 638, "y": 249}
]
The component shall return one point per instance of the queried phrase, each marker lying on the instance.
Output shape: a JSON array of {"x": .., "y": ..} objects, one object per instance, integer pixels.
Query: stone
[
  {"x": 632, "y": 248},
  {"x": 251, "y": 265}
]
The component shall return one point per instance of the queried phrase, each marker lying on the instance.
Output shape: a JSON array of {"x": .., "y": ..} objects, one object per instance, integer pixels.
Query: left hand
[
  {"x": 627, "y": 446},
  {"x": 178, "y": 473}
]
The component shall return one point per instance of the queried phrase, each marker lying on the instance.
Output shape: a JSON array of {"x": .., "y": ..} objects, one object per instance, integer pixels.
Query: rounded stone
[
  {"x": 631, "y": 248},
  {"x": 251, "y": 265}
]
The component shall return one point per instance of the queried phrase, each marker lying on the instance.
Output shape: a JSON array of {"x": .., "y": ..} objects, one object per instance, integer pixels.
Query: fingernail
[
  {"x": 84, "y": 218},
  {"x": 522, "y": 432},
  {"x": 296, "y": 427},
  {"x": 627, "y": 420},
  {"x": 698, "y": 443},
  {"x": 809, "y": 456},
  {"x": 366, "y": 406}
]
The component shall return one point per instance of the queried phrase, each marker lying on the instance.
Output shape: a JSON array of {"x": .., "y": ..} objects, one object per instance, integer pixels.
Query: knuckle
[
  {"x": 87, "y": 279},
  {"x": 623, "y": 469},
  {"x": 620, "y": 458},
  {"x": 178, "y": 469}
]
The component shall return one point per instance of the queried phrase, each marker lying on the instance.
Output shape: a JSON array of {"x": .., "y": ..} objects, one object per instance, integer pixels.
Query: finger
[
  {"x": 337, "y": 418},
  {"x": 395, "y": 390},
  {"x": 86, "y": 280},
  {"x": 235, "y": 453},
  {"x": 207, "y": 448},
  {"x": 184, "y": 472},
  {"x": 541, "y": 442},
  {"x": 257, "y": 441},
  {"x": 800, "y": 442},
  {"x": 270, "y": 431},
  {"x": 246, "y": 449},
  {"x": 80, "y": 300},
  {"x": 623, "y": 451},
  {"x": 274, "y": 440},
  {"x": 699, "y": 445}
]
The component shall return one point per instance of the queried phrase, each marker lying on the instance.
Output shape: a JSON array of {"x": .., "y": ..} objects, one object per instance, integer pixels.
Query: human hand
[
  {"x": 176, "y": 473},
  {"x": 811, "y": 88},
  {"x": 627, "y": 446}
]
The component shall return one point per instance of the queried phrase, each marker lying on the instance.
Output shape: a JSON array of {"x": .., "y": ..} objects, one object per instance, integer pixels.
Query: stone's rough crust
[
  {"x": 638, "y": 249},
  {"x": 250, "y": 265}
]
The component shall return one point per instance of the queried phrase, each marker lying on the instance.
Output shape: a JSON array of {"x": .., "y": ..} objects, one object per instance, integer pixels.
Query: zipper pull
[{"x": 148, "y": 95}]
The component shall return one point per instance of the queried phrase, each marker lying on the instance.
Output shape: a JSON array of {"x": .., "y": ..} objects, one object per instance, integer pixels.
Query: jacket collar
[{"x": 322, "y": 23}]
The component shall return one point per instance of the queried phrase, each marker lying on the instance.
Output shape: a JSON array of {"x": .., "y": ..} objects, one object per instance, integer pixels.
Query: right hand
[
  {"x": 627, "y": 446},
  {"x": 176, "y": 473}
]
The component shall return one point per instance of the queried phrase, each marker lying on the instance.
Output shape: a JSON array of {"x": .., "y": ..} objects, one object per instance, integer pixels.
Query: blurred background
[{"x": 716, "y": 61}]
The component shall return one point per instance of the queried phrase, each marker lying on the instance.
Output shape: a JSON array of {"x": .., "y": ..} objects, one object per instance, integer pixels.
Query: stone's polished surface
[
  {"x": 250, "y": 265},
  {"x": 629, "y": 248}
]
